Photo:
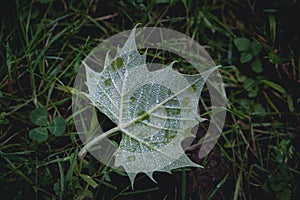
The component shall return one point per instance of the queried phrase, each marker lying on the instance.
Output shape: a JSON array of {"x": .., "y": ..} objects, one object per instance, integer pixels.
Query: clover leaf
[{"x": 39, "y": 117}]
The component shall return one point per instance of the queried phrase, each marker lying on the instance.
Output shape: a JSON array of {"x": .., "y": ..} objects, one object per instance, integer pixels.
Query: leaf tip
[
  {"x": 130, "y": 44},
  {"x": 150, "y": 175},
  {"x": 200, "y": 119},
  {"x": 131, "y": 177},
  {"x": 107, "y": 59}
]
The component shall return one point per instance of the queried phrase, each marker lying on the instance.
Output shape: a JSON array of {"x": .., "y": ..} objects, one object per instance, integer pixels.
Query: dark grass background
[{"x": 257, "y": 156}]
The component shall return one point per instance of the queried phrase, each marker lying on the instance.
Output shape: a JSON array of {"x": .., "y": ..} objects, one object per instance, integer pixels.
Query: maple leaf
[{"x": 155, "y": 111}]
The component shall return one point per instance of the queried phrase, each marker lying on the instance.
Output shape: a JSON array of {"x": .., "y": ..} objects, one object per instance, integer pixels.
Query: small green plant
[
  {"x": 277, "y": 184},
  {"x": 275, "y": 58},
  {"x": 251, "y": 106},
  {"x": 251, "y": 86},
  {"x": 249, "y": 53},
  {"x": 39, "y": 117},
  {"x": 278, "y": 181}
]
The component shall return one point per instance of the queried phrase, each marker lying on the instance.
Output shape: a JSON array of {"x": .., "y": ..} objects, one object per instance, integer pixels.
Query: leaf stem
[{"x": 95, "y": 140}]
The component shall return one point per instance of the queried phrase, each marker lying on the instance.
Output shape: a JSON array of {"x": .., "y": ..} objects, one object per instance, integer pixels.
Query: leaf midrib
[{"x": 145, "y": 114}]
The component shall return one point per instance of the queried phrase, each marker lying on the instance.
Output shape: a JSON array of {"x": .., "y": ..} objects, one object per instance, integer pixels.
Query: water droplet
[{"x": 131, "y": 158}]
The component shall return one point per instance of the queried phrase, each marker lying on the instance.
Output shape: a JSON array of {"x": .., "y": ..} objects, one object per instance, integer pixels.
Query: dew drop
[{"x": 131, "y": 158}]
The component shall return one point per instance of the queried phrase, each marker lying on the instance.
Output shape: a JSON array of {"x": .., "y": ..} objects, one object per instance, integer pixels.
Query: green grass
[{"x": 43, "y": 44}]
